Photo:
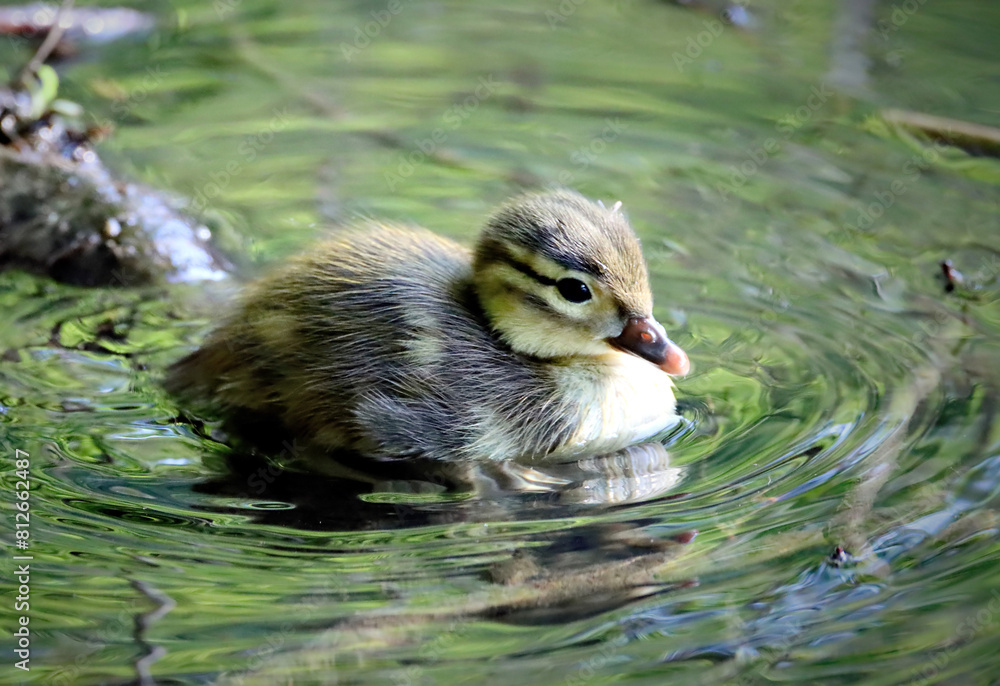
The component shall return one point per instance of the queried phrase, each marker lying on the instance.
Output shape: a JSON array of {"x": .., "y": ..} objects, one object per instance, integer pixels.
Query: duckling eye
[{"x": 574, "y": 290}]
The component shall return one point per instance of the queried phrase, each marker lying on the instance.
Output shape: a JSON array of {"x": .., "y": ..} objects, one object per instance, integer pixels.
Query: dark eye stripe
[
  {"x": 528, "y": 271},
  {"x": 503, "y": 255}
]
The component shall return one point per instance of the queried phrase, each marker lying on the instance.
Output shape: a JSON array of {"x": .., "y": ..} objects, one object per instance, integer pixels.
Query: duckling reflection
[
  {"x": 343, "y": 492},
  {"x": 550, "y": 576},
  {"x": 397, "y": 343},
  {"x": 346, "y": 492},
  {"x": 634, "y": 474}
]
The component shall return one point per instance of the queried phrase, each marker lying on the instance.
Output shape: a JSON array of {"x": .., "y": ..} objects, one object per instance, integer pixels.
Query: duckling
[{"x": 395, "y": 342}]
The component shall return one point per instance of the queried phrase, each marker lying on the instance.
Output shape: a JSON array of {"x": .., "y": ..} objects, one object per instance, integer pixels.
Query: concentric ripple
[
  {"x": 839, "y": 454},
  {"x": 803, "y": 430}
]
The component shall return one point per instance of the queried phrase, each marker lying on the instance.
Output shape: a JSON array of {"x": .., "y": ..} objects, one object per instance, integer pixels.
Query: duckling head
[{"x": 559, "y": 277}]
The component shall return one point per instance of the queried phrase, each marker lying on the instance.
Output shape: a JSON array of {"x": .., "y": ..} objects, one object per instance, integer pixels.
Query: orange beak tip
[{"x": 676, "y": 362}]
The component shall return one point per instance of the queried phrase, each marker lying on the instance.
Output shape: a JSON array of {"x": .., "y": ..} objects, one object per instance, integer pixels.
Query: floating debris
[
  {"x": 83, "y": 25},
  {"x": 975, "y": 139},
  {"x": 952, "y": 277},
  {"x": 64, "y": 214},
  {"x": 839, "y": 557}
]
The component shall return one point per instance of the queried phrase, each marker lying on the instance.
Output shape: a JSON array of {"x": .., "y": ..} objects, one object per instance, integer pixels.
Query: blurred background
[{"x": 798, "y": 173}]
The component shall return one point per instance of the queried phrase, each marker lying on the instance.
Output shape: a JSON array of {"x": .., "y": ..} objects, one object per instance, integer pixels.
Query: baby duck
[{"x": 396, "y": 342}]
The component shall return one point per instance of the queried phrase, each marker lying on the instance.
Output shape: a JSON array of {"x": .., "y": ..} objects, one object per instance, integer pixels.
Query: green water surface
[{"x": 839, "y": 396}]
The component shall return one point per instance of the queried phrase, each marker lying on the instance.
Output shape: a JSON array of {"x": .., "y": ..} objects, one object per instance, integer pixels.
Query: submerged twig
[
  {"x": 976, "y": 139},
  {"x": 143, "y": 623},
  {"x": 48, "y": 45}
]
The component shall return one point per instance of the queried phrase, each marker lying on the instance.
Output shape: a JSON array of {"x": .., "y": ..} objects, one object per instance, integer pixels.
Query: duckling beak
[{"x": 645, "y": 337}]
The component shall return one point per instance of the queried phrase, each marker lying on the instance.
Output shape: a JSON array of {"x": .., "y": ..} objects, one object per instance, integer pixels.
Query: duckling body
[{"x": 397, "y": 342}]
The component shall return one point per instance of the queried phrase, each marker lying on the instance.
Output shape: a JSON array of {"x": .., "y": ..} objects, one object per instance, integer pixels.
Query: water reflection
[
  {"x": 551, "y": 576},
  {"x": 346, "y": 491},
  {"x": 637, "y": 473},
  {"x": 842, "y": 397}
]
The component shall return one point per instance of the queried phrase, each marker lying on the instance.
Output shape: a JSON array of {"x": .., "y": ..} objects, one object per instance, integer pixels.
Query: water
[{"x": 839, "y": 396}]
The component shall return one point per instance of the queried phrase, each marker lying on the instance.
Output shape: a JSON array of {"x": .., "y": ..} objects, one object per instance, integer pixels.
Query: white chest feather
[{"x": 623, "y": 400}]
